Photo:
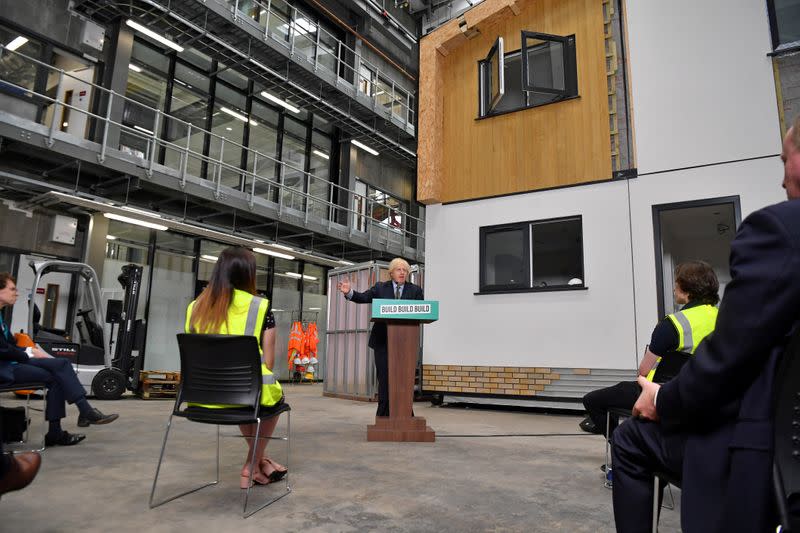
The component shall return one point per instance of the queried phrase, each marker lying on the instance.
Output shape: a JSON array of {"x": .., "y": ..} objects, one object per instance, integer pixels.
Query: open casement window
[
  {"x": 543, "y": 71},
  {"x": 548, "y": 64},
  {"x": 492, "y": 78}
]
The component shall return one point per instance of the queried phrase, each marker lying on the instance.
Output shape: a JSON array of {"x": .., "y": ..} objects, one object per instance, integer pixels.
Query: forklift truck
[{"x": 104, "y": 371}]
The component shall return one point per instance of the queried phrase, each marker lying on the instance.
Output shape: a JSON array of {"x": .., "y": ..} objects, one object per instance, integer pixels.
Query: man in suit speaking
[{"x": 396, "y": 288}]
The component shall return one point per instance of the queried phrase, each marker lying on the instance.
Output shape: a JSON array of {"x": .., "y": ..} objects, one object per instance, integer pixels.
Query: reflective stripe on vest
[
  {"x": 249, "y": 323},
  {"x": 693, "y": 325}
]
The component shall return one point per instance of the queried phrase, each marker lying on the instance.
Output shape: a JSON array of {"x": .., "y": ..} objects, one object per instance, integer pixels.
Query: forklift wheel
[{"x": 108, "y": 384}]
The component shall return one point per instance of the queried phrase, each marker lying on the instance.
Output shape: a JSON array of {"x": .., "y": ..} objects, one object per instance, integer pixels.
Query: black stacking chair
[
  {"x": 222, "y": 369},
  {"x": 33, "y": 386},
  {"x": 786, "y": 462}
]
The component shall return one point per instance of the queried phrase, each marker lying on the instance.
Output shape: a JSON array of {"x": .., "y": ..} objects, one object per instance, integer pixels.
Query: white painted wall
[
  {"x": 592, "y": 328},
  {"x": 702, "y": 85},
  {"x": 583, "y": 328}
]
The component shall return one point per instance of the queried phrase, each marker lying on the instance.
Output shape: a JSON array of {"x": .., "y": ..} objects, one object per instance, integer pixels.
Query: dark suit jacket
[
  {"x": 722, "y": 398},
  {"x": 384, "y": 289},
  {"x": 8, "y": 353}
]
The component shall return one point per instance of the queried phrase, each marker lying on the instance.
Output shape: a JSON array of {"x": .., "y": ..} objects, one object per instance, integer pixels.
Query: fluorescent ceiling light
[
  {"x": 135, "y": 221},
  {"x": 279, "y": 310},
  {"x": 64, "y": 124},
  {"x": 303, "y": 25},
  {"x": 365, "y": 147},
  {"x": 228, "y": 129},
  {"x": 253, "y": 122},
  {"x": 212, "y": 258},
  {"x": 282, "y": 247},
  {"x": 315, "y": 309},
  {"x": 140, "y": 211},
  {"x": 348, "y": 263},
  {"x": 153, "y": 35},
  {"x": 16, "y": 43},
  {"x": 298, "y": 276},
  {"x": 323, "y": 155},
  {"x": 134, "y": 67},
  {"x": 272, "y": 253},
  {"x": 233, "y": 113},
  {"x": 111, "y": 238},
  {"x": 280, "y": 102},
  {"x": 143, "y": 130}
]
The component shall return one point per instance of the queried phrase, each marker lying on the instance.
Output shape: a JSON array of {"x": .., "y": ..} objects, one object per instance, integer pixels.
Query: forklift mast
[{"x": 131, "y": 281}]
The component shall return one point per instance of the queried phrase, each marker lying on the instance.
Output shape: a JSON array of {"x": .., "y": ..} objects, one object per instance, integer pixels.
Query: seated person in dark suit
[
  {"x": 712, "y": 425},
  {"x": 395, "y": 288},
  {"x": 697, "y": 290},
  {"x": 34, "y": 364}
]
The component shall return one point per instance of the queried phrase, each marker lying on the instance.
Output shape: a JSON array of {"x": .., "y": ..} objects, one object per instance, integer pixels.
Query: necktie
[{"x": 397, "y": 291}]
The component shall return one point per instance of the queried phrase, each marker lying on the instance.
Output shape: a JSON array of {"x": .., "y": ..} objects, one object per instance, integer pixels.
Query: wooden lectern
[{"x": 403, "y": 319}]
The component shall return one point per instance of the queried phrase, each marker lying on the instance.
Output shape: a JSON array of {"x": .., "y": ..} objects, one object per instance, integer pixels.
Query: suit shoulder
[{"x": 785, "y": 215}]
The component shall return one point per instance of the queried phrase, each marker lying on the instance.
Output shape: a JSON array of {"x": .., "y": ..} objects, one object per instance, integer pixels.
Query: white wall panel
[
  {"x": 585, "y": 328},
  {"x": 702, "y": 84}
]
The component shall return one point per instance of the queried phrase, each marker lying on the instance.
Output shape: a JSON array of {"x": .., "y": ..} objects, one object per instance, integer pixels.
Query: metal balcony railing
[
  {"x": 304, "y": 37},
  {"x": 171, "y": 144}
]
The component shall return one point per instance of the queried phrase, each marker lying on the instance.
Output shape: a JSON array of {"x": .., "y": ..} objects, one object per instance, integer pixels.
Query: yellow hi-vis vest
[
  {"x": 693, "y": 325},
  {"x": 246, "y": 316}
]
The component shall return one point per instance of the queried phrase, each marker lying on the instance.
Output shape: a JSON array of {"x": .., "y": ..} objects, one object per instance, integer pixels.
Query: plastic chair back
[{"x": 219, "y": 369}]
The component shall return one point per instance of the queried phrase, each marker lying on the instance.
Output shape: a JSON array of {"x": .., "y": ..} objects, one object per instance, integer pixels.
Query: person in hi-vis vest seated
[
  {"x": 697, "y": 290},
  {"x": 396, "y": 288},
  {"x": 226, "y": 307}
]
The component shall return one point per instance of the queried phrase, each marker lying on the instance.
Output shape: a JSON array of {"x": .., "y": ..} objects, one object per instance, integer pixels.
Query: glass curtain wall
[
  {"x": 285, "y": 307},
  {"x": 264, "y": 140},
  {"x": 319, "y": 188},
  {"x": 189, "y": 104},
  {"x": 293, "y": 155},
  {"x": 147, "y": 85},
  {"x": 228, "y": 122},
  {"x": 315, "y": 303},
  {"x": 172, "y": 290}
]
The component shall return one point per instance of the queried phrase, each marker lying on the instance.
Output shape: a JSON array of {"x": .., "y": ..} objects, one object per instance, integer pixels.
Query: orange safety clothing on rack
[
  {"x": 296, "y": 344},
  {"x": 310, "y": 342}
]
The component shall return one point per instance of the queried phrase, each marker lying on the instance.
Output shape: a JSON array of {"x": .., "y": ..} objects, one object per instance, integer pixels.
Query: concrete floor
[{"x": 470, "y": 479}]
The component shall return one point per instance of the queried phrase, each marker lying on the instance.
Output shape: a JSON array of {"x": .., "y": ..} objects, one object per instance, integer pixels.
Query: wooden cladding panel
[{"x": 547, "y": 146}]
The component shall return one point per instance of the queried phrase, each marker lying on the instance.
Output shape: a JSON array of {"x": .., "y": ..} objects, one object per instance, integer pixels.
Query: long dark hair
[{"x": 235, "y": 269}]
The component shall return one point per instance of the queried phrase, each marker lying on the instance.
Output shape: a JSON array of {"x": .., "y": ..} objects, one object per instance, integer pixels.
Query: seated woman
[
  {"x": 696, "y": 289},
  {"x": 224, "y": 307}
]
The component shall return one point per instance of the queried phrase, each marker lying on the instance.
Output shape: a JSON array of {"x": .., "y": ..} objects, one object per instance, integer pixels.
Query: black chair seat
[
  {"x": 230, "y": 416},
  {"x": 34, "y": 385}
]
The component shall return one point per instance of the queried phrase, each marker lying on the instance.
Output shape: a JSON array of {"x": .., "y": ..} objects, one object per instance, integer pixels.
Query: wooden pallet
[{"x": 159, "y": 384}]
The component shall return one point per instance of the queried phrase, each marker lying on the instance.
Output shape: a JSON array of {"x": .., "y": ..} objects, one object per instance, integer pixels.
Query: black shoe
[
  {"x": 94, "y": 416},
  {"x": 589, "y": 426},
  {"x": 63, "y": 439}
]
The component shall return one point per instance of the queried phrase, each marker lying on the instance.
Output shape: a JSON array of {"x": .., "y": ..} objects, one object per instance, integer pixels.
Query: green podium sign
[{"x": 419, "y": 310}]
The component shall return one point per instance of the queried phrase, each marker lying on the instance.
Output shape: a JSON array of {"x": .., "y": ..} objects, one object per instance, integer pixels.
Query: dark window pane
[
  {"x": 504, "y": 258},
  {"x": 557, "y": 253},
  {"x": 514, "y": 97},
  {"x": 14, "y": 68},
  {"x": 787, "y": 18},
  {"x": 546, "y": 64}
]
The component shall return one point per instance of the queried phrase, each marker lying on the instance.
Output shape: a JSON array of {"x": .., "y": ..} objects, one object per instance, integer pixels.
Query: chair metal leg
[
  {"x": 28, "y": 409},
  {"x": 655, "y": 504},
  {"x": 288, "y": 489},
  {"x": 158, "y": 470},
  {"x": 671, "y": 505}
]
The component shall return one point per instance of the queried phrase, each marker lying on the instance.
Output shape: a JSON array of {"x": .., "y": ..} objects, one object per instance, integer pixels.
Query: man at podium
[{"x": 396, "y": 288}]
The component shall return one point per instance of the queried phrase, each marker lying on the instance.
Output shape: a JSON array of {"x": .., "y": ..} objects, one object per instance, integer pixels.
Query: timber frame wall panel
[{"x": 566, "y": 143}]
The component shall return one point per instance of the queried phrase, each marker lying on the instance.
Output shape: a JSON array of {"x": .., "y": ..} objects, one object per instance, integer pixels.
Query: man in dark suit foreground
[
  {"x": 712, "y": 425},
  {"x": 396, "y": 288}
]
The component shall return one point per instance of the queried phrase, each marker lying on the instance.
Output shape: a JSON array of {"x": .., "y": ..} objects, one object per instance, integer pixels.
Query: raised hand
[{"x": 344, "y": 286}]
